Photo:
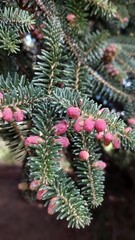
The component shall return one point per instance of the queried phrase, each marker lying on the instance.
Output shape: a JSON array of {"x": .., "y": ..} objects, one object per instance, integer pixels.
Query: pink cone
[
  {"x": 40, "y": 194},
  {"x": 108, "y": 137},
  {"x": 52, "y": 205},
  {"x": 100, "y": 164},
  {"x": 73, "y": 112},
  {"x": 83, "y": 155},
  {"x": 131, "y": 121},
  {"x": 33, "y": 140},
  {"x": 34, "y": 185},
  {"x": 70, "y": 17},
  {"x": 89, "y": 124},
  {"x": 100, "y": 125},
  {"x": 79, "y": 124},
  {"x": 19, "y": 115},
  {"x": 7, "y": 114},
  {"x": 116, "y": 143},
  {"x": 99, "y": 135},
  {"x": 63, "y": 141},
  {"x": 61, "y": 127}
]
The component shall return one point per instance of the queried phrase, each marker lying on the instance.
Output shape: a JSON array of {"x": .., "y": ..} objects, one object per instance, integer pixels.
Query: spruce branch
[
  {"x": 126, "y": 61},
  {"x": 46, "y": 7},
  {"x": 79, "y": 55},
  {"x": 118, "y": 94},
  {"x": 13, "y": 21},
  {"x": 9, "y": 40},
  {"x": 102, "y": 8},
  {"x": 93, "y": 45},
  {"x": 78, "y": 9},
  {"x": 44, "y": 164},
  {"x": 16, "y": 18},
  {"x": 19, "y": 92},
  {"x": 63, "y": 98},
  {"x": 90, "y": 178},
  {"x": 38, "y": 118},
  {"x": 77, "y": 78},
  {"x": 49, "y": 68},
  {"x": 70, "y": 203}
]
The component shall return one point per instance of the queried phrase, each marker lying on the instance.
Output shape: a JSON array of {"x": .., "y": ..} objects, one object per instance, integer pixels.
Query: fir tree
[{"x": 53, "y": 93}]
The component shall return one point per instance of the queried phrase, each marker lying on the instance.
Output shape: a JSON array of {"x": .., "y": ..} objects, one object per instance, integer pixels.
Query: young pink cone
[
  {"x": 73, "y": 112},
  {"x": 23, "y": 186},
  {"x": 63, "y": 141},
  {"x": 40, "y": 194},
  {"x": 33, "y": 140},
  {"x": 100, "y": 164},
  {"x": 52, "y": 205},
  {"x": 116, "y": 143},
  {"x": 99, "y": 135},
  {"x": 34, "y": 185},
  {"x": 100, "y": 125},
  {"x": 131, "y": 121},
  {"x": 61, "y": 127},
  {"x": 79, "y": 124},
  {"x": 7, "y": 114},
  {"x": 108, "y": 137},
  {"x": 83, "y": 155},
  {"x": 70, "y": 17},
  {"x": 89, "y": 124},
  {"x": 19, "y": 115}
]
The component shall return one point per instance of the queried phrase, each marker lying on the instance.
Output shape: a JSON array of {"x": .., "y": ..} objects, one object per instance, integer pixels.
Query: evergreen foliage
[{"x": 85, "y": 56}]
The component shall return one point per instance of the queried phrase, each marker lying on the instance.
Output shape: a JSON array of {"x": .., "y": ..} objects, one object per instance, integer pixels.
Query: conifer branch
[
  {"x": 103, "y": 8},
  {"x": 122, "y": 96},
  {"x": 16, "y": 18},
  {"x": 52, "y": 119},
  {"x": 43, "y": 7},
  {"x": 68, "y": 195},
  {"x": 44, "y": 165},
  {"x": 90, "y": 179}
]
